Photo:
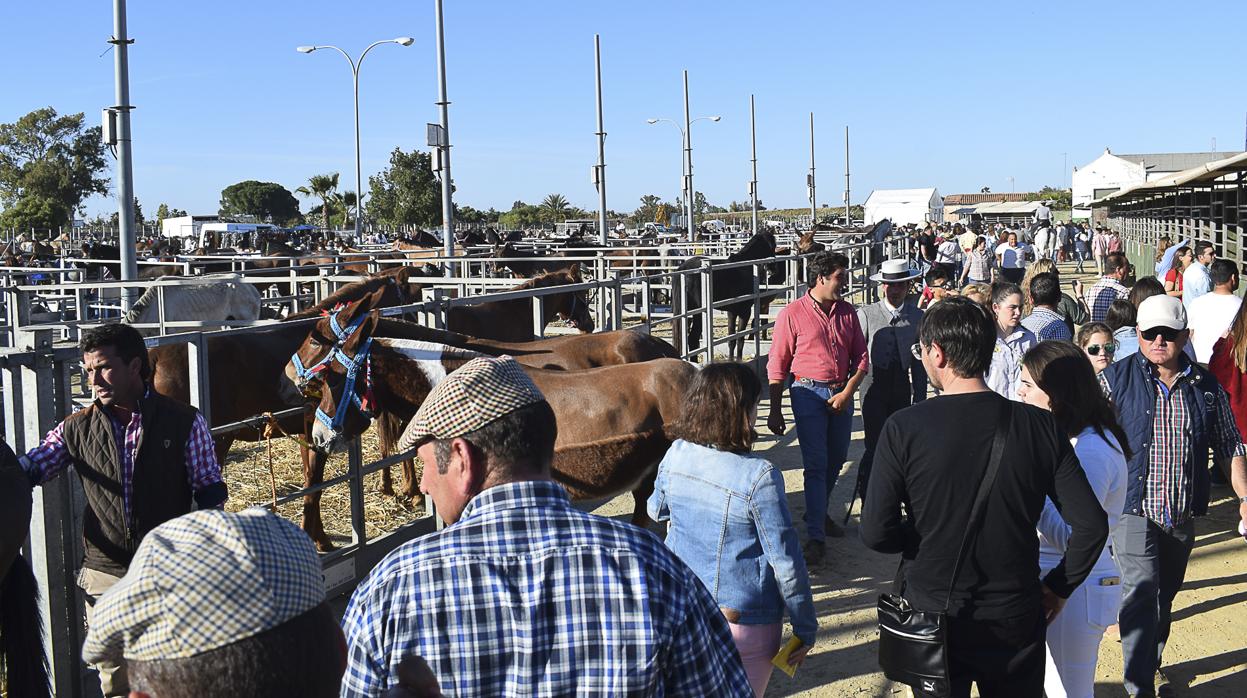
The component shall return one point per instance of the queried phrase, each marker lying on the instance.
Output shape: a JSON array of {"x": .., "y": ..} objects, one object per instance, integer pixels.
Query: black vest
[{"x": 161, "y": 484}]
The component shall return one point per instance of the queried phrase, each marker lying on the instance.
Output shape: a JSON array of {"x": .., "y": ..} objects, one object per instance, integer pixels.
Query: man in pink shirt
[{"x": 819, "y": 342}]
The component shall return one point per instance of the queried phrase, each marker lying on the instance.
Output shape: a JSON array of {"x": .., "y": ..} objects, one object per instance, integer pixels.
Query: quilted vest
[
  {"x": 1134, "y": 393},
  {"x": 161, "y": 487}
]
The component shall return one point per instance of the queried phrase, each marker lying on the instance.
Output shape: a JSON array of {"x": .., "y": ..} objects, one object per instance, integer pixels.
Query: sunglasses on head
[
  {"x": 1168, "y": 333},
  {"x": 1108, "y": 347}
]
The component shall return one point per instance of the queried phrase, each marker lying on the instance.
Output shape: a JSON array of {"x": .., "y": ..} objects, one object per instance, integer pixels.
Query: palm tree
[
  {"x": 555, "y": 206},
  {"x": 345, "y": 203},
  {"x": 321, "y": 187}
]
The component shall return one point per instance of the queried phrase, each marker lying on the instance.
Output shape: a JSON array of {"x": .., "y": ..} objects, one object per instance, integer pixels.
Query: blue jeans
[{"x": 824, "y": 440}]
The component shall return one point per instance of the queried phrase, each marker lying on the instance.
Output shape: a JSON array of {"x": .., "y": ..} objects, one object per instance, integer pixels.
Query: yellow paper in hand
[{"x": 781, "y": 660}]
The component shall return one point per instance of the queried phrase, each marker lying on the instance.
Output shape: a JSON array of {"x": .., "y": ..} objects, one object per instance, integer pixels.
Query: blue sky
[{"x": 953, "y": 95}]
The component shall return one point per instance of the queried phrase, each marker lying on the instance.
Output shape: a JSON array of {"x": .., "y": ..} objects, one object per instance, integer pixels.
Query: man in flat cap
[
  {"x": 522, "y": 594},
  {"x": 218, "y": 604}
]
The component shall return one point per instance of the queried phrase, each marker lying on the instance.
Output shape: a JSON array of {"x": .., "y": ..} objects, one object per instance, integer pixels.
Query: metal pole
[
  {"x": 688, "y": 157},
  {"x": 848, "y": 219},
  {"x": 448, "y": 209},
  {"x": 813, "y": 211},
  {"x": 125, "y": 157},
  {"x": 601, "y": 134},
  {"x": 753, "y": 183},
  {"x": 359, "y": 186}
]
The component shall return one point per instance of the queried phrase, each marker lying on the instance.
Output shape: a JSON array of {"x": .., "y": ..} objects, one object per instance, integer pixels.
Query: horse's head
[{"x": 571, "y": 306}]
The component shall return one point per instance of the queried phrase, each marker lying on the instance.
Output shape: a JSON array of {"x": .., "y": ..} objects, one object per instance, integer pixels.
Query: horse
[
  {"x": 101, "y": 257},
  {"x": 22, "y": 656},
  {"x": 395, "y": 282},
  {"x": 524, "y": 263},
  {"x": 728, "y": 283},
  {"x": 512, "y": 320},
  {"x": 614, "y": 421},
  {"x": 202, "y": 299}
]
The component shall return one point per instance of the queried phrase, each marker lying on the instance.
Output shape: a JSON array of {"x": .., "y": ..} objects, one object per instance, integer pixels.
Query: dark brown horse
[
  {"x": 524, "y": 263},
  {"x": 512, "y": 320},
  {"x": 613, "y": 421},
  {"x": 23, "y": 662},
  {"x": 726, "y": 284}
]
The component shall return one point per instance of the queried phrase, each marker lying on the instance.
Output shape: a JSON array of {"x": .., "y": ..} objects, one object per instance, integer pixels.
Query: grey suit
[{"x": 896, "y": 379}]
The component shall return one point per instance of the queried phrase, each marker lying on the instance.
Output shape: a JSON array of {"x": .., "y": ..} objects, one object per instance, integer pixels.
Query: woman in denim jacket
[{"x": 728, "y": 519}]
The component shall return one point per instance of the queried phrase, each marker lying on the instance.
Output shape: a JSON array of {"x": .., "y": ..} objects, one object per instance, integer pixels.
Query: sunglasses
[
  {"x": 1168, "y": 333},
  {"x": 1108, "y": 347}
]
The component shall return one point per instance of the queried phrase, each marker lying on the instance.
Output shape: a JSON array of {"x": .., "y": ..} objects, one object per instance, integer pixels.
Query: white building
[
  {"x": 903, "y": 206},
  {"x": 185, "y": 226},
  {"x": 1110, "y": 172}
]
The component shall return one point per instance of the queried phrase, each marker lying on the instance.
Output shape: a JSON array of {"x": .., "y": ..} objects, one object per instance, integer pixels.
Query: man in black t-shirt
[{"x": 931, "y": 458}]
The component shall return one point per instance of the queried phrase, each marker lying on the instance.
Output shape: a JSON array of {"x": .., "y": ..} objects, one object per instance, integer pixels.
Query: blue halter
[{"x": 351, "y": 365}]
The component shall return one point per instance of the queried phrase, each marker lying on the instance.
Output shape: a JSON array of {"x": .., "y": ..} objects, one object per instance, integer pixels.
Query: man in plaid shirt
[
  {"x": 1173, "y": 412},
  {"x": 522, "y": 594},
  {"x": 1108, "y": 289},
  {"x": 144, "y": 459}
]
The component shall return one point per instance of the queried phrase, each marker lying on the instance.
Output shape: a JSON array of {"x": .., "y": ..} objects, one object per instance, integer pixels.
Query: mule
[
  {"x": 22, "y": 655},
  {"x": 728, "y": 283},
  {"x": 614, "y": 422},
  {"x": 512, "y": 320}
]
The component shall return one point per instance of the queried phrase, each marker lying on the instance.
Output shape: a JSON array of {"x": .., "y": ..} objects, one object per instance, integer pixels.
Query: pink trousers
[{"x": 757, "y": 644}]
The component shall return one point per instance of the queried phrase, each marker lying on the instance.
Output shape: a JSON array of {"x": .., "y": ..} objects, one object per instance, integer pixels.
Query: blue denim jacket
[{"x": 728, "y": 521}]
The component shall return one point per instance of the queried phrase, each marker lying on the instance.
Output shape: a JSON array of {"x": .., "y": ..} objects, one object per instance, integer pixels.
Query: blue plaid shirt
[{"x": 526, "y": 595}]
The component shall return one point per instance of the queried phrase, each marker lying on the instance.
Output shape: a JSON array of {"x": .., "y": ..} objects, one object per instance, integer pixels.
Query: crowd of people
[{"x": 1093, "y": 458}]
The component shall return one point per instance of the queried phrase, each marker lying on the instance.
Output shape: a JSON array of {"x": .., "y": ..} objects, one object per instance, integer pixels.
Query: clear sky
[{"x": 954, "y": 95}]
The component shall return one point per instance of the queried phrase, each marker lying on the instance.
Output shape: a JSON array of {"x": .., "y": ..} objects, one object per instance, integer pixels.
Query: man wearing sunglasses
[{"x": 1173, "y": 411}]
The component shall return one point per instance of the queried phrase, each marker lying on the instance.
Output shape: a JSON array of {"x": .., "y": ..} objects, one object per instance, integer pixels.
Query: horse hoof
[{"x": 325, "y": 546}]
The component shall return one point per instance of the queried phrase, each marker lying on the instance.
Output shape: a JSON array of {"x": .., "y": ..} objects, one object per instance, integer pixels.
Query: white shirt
[
  {"x": 1006, "y": 369},
  {"x": 1105, "y": 467},
  {"x": 948, "y": 252},
  {"x": 1011, "y": 257},
  {"x": 1208, "y": 318},
  {"x": 1195, "y": 283}
]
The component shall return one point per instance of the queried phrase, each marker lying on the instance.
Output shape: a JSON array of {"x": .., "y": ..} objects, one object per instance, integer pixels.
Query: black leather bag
[{"x": 913, "y": 644}]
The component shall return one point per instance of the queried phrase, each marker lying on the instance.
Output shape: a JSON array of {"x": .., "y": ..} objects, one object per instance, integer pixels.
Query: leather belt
[{"x": 810, "y": 382}]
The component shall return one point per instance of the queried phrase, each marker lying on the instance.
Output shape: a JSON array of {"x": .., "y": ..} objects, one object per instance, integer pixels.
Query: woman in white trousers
[{"x": 1057, "y": 376}]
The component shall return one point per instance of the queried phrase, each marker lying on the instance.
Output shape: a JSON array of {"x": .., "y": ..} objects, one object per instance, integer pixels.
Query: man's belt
[{"x": 811, "y": 383}]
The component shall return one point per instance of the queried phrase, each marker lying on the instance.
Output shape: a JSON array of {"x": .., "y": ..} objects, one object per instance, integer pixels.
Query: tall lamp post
[
  {"x": 686, "y": 161},
  {"x": 355, "y": 64}
]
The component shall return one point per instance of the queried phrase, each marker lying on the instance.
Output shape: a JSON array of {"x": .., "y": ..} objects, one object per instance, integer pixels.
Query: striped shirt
[
  {"x": 49, "y": 458},
  {"x": 1167, "y": 498},
  {"x": 526, "y": 595},
  {"x": 1047, "y": 324},
  {"x": 980, "y": 266},
  {"x": 1101, "y": 296}
]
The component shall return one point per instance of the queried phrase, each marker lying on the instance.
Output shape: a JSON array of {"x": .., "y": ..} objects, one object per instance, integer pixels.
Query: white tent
[{"x": 903, "y": 206}]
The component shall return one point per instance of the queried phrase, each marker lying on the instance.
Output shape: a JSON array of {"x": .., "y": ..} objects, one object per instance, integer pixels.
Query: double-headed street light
[
  {"x": 686, "y": 164},
  {"x": 355, "y": 64}
]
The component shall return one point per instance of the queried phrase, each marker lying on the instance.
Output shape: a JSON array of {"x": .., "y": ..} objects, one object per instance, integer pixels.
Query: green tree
[
  {"x": 48, "y": 165},
  {"x": 645, "y": 212},
  {"x": 266, "y": 201},
  {"x": 162, "y": 212},
  {"x": 321, "y": 187},
  {"x": 138, "y": 215},
  {"x": 406, "y": 192},
  {"x": 555, "y": 208},
  {"x": 521, "y": 215},
  {"x": 1060, "y": 198}
]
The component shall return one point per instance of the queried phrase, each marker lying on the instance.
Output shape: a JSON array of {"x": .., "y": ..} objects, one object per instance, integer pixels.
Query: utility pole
[
  {"x": 810, "y": 178},
  {"x": 848, "y": 219},
  {"x": 753, "y": 183},
  {"x": 125, "y": 155},
  {"x": 600, "y": 174},
  {"x": 443, "y": 103},
  {"x": 688, "y": 159}
]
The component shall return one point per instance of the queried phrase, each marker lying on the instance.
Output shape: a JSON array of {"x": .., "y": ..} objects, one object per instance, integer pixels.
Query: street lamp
[
  {"x": 355, "y": 64},
  {"x": 686, "y": 164}
]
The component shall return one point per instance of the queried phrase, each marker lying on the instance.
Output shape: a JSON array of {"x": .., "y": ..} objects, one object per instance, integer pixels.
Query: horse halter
[{"x": 352, "y": 366}]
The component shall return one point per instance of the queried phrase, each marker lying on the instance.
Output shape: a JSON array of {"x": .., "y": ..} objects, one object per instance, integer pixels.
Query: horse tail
[{"x": 21, "y": 633}]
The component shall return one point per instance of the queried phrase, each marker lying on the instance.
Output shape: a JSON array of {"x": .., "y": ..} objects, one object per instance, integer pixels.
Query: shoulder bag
[{"x": 913, "y": 644}]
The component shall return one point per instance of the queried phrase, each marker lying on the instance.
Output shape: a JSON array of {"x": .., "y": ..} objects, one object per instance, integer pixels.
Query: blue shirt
[
  {"x": 729, "y": 521},
  {"x": 525, "y": 595}
]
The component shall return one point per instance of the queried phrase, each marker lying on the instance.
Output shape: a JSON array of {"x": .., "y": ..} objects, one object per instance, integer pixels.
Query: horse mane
[
  {"x": 550, "y": 278},
  {"x": 347, "y": 294},
  {"x": 761, "y": 242}
]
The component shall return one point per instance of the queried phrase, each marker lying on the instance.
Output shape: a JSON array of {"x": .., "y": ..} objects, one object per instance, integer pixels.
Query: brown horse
[
  {"x": 395, "y": 282},
  {"x": 512, "y": 320},
  {"x": 523, "y": 263},
  {"x": 22, "y": 659},
  {"x": 613, "y": 421}
]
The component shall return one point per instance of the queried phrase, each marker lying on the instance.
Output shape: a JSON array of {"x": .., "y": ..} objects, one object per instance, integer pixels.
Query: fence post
[
  {"x": 645, "y": 305},
  {"x": 197, "y": 374},
  {"x": 757, "y": 312},
  {"x": 539, "y": 326},
  {"x": 355, "y": 464},
  {"x": 679, "y": 300},
  {"x": 707, "y": 299},
  {"x": 617, "y": 304},
  {"x": 54, "y": 524}
]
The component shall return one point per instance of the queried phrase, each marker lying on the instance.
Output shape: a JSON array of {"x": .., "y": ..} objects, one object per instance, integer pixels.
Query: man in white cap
[
  {"x": 1173, "y": 412},
  {"x": 218, "y": 604},
  {"x": 896, "y": 379},
  {"x": 522, "y": 594}
]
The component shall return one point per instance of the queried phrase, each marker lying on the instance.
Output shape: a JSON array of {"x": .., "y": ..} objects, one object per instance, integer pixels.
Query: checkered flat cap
[
  {"x": 479, "y": 392},
  {"x": 202, "y": 581}
]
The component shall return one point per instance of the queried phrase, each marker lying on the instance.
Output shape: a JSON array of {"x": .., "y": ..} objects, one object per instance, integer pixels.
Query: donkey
[{"x": 613, "y": 421}]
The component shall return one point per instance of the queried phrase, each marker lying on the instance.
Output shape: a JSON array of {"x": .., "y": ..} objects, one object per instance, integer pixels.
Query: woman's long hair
[
  {"x": 1061, "y": 370},
  {"x": 1238, "y": 339},
  {"x": 1164, "y": 243},
  {"x": 717, "y": 407}
]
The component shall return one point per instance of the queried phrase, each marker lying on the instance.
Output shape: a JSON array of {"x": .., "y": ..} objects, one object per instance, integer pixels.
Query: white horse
[{"x": 210, "y": 298}]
